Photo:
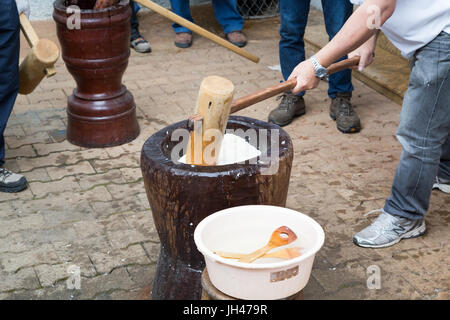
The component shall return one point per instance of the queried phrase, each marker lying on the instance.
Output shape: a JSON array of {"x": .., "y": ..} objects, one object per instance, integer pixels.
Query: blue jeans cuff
[{"x": 392, "y": 211}]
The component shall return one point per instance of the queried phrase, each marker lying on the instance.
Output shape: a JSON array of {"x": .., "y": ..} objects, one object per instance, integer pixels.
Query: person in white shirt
[
  {"x": 421, "y": 31},
  {"x": 9, "y": 81}
]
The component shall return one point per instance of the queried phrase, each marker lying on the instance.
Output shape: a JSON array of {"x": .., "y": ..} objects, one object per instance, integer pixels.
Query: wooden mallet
[
  {"x": 214, "y": 105},
  {"x": 40, "y": 60}
]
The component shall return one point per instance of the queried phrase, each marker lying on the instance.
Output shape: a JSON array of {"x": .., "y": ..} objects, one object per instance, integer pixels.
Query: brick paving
[{"x": 87, "y": 207}]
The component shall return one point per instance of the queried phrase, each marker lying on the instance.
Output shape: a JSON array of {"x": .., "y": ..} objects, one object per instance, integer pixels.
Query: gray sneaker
[
  {"x": 140, "y": 45},
  {"x": 341, "y": 110},
  {"x": 291, "y": 106},
  {"x": 388, "y": 230},
  {"x": 11, "y": 182},
  {"x": 441, "y": 185}
]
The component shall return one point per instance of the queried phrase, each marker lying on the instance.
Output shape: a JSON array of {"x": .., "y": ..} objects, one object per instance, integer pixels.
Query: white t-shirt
[{"x": 415, "y": 23}]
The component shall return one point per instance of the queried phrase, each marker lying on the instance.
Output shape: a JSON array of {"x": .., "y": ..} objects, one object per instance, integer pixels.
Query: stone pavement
[{"x": 88, "y": 208}]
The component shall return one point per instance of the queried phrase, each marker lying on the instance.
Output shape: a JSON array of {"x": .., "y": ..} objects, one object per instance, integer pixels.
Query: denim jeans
[
  {"x": 134, "y": 21},
  {"x": 9, "y": 65},
  {"x": 226, "y": 13},
  {"x": 294, "y": 16},
  {"x": 424, "y": 131}
]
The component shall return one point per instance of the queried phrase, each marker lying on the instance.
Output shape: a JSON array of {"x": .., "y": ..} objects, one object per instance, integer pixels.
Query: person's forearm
[{"x": 356, "y": 30}]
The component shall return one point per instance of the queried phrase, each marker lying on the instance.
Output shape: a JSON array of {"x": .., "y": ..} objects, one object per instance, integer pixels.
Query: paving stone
[
  {"x": 24, "y": 151},
  {"x": 102, "y": 286},
  {"x": 41, "y": 189},
  {"x": 23, "y": 279},
  {"x": 12, "y": 262},
  {"x": 50, "y": 274},
  {"x": 83, "y": 167},
  {"x": 111, "y": 176},
  {"x": 44, "y": 149},
  {"x": 106, "y": 261},
  {"x": 128, "y": 160},
  {"x": 61, "y": 158},
  {"x": 31, "y": 222}
]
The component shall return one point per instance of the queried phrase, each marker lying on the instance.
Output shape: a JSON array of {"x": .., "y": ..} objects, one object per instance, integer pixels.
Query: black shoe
[
  {"x": 341, "y": 110},
  {"x": 11, "y": 182},
  {"x": 290, "y": 107}
]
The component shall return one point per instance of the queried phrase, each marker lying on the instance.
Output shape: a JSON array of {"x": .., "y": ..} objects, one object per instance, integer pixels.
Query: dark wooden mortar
[
  {"x": 182, "y": 195},
  {"x": 101, "y": 111}
]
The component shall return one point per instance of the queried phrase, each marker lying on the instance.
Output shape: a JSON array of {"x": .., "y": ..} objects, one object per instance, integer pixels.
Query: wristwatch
[{"x": 319, "y": 70}]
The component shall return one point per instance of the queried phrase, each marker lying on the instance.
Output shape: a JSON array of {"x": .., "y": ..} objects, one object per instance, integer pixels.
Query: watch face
[{"x": 321, "y": 72}]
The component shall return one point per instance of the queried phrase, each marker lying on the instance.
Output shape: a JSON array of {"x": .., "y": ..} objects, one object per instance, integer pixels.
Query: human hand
[
  {"x": 306, "y": 77},
  {"x": 23, "y": 6},
  {"x": 366, "y": 52}
]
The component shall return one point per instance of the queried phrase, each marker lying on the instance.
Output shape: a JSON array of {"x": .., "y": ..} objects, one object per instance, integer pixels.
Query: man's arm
[{"x": 358, "y": 29}]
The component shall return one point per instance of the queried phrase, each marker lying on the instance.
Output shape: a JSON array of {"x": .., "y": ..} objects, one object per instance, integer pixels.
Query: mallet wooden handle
[
  {"x": 33, "y": 39},
  {"x": 342, "y": 65},
  {"x": 195, "y": 28},
  {"x": 267, "y": 93}
]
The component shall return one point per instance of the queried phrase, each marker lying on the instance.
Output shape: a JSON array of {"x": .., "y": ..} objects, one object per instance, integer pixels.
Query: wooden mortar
[{"x": 182, "y": 195}]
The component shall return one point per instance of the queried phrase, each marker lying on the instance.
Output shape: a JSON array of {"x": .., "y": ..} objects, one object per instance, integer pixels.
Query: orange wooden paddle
[
  {"x": 280, "y": 237},
  {"x": 288, "y": 253}
]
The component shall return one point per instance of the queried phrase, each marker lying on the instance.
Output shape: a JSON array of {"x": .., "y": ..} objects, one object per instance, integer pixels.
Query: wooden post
[{"x": 213, "y": 105}]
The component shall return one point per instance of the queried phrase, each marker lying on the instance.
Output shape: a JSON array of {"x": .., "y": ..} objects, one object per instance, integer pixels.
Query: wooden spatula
[
  {"x": 288, "y": 253},
  {"x": 280, "y": 237}
]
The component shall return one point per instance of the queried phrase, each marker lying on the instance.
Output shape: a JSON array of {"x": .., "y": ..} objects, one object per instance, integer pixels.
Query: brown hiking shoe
[
  {"x": 291, "y": 106},
  {"x": 341, "y": 110},
  {"x": 237, "y": 38},
  {"x": 183, "y": 40}
]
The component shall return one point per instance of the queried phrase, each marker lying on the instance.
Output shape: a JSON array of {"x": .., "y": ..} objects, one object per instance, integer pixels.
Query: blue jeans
[
  {"x": 424, "y": 131},
  {"x": 294, "y": 16},
  {"x": 134, "y": 21},
  {"x": 225, "y": 10},
  {"x": 9, "y": 65}
]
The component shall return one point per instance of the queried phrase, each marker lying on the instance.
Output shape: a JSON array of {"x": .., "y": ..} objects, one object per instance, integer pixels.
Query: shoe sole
[
  {"x": 417, "y": 232},
  {"x": 21, "y": 185},
  {"x": 301, "y": 113},
  {"x": 443, "y": 187},
  {"x": 142, "y": 51},
  {"x": 238, "y": 44},
  {"x": 352, "y": 129},
  {"x": 183, "y": 45}
]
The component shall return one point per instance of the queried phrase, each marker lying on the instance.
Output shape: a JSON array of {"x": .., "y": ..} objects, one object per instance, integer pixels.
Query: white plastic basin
[{"x": 247, "y": 228}]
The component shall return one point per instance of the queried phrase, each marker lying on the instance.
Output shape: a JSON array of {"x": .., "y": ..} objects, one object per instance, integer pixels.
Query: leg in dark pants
[
  {"x": 9, "y": 61},
  {"x": 444, "y": 166},
  {"x": 294, "y": 16},
  {"x": 336, "y": 13},
  {"x": 134, "y": 23},
  {"x": 138, "y": 42}
]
